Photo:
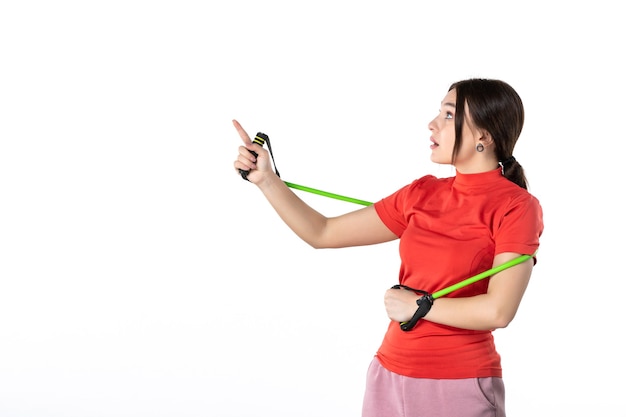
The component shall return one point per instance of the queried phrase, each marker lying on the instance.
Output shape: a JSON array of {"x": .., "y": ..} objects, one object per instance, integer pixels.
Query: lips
[{"x": 434, "y": 145}]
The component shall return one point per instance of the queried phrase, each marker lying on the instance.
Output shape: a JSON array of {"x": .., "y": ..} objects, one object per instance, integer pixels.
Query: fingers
[
  {"x": 251, "y": 156},
  {"x": 242, "y": 133},
  {"x": 400, "y": 304},
  {"x": 245, "y": 160},
  {"x": 246, "y": 157}
]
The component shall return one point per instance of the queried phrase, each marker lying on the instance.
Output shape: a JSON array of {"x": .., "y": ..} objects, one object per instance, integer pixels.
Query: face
[{"x": 442, "y": 134}]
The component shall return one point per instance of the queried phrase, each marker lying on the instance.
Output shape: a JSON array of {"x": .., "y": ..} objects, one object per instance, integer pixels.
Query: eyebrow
[{"x": 453, "y": 105}]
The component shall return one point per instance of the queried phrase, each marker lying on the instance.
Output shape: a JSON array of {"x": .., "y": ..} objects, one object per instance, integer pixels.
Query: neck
[{"x": 476, "y": 167}]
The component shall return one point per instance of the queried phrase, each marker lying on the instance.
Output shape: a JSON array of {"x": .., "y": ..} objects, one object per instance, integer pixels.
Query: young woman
[{"x": 449, "y": 229}]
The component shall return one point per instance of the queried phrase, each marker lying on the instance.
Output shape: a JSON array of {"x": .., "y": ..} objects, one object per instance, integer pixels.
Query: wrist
[
  {"x": 268, "y": 180},
  {"x": 424, "y": 305}
]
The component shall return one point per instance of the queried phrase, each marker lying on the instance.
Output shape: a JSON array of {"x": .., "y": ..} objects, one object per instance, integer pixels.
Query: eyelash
[{"x": 449, "y": 115}]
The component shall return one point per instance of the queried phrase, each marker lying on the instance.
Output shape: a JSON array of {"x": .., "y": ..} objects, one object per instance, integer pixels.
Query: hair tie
[{"x": 508, "y": 161}]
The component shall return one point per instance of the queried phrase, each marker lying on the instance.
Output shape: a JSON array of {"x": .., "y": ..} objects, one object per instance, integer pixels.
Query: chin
[{"x": 439, "y": 160}]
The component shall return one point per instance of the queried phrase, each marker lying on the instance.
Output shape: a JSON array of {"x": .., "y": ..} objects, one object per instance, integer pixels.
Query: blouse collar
[{"x": 481, "y": 178}]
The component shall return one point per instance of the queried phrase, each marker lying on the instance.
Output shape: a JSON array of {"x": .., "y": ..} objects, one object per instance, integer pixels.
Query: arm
[
  {"x": 493, "y": 310},
  {"x": 357, "y": 228}
]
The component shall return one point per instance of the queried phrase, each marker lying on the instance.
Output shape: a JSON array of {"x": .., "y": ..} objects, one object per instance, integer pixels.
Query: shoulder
[
  {"x": 521, "y": 207},
  {"x": 517, "y": 195},
  {"x": 417, "y": 190},
  {"x": 430, "y": 182}
]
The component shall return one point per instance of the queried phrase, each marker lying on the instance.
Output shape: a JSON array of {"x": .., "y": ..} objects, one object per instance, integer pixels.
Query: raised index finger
[{"x": 242, "y": 133}]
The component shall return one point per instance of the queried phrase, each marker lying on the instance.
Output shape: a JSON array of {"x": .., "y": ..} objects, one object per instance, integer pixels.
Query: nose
[{"x": 432, "y": 125}]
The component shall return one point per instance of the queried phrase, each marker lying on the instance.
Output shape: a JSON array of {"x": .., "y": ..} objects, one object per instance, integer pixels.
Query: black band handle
[
  {"x": 423, "y": 306},
  {"x": 260, "y": 139}
]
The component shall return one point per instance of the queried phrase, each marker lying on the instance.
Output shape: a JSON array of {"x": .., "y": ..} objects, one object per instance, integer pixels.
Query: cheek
[
  {"x": 467, "y": 149},
  {"x": 448, "y": 139}
]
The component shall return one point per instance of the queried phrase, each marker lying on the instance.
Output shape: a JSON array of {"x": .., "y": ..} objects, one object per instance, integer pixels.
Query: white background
[{"x": 140, "y": 276}]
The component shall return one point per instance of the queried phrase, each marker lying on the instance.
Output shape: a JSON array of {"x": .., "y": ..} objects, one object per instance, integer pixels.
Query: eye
[{"x": 449, "y": 115}]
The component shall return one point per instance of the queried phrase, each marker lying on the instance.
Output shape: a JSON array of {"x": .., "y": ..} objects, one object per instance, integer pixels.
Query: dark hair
[{"x": 497, "y": 108}]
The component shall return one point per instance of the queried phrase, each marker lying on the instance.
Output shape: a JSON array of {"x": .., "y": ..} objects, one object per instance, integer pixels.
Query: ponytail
[{"x": 513, "y": 171}]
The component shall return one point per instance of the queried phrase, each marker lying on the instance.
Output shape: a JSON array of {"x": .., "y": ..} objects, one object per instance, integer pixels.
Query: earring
[{"x": 480, "y": 147}]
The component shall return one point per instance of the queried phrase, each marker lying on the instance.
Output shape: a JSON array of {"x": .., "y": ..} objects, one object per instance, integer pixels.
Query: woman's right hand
[
  {"x": 258, "y": 166},
  {"x": 358, "y": 228}
]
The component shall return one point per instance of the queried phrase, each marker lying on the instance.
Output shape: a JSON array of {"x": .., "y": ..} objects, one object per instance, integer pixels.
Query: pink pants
[{"x": 391, "y": 395}]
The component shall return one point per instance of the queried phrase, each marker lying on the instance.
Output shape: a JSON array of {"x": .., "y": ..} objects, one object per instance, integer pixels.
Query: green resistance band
[
  {"x": 440, "y": 293},
  {"x": 327, "y": 194},
  {"x": 482, "y": 275},
  {"x": 425, "y": 302},
  {"x": 435, "y": 295}
]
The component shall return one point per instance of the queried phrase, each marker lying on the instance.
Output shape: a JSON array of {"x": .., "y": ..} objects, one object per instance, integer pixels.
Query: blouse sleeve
[
  {"x": 521, "y": 227},
  {"x": 393, "y": 209}
]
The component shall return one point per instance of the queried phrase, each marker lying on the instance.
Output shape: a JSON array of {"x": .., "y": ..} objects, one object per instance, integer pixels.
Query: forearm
[
  {"x": 304, "y": 221},
  {"x": 474, "y": 313},
  {"x": 492, "y": 310}
]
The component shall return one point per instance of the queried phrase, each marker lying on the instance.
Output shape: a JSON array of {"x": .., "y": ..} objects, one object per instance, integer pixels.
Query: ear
[{"x": 485, "y": 137}]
